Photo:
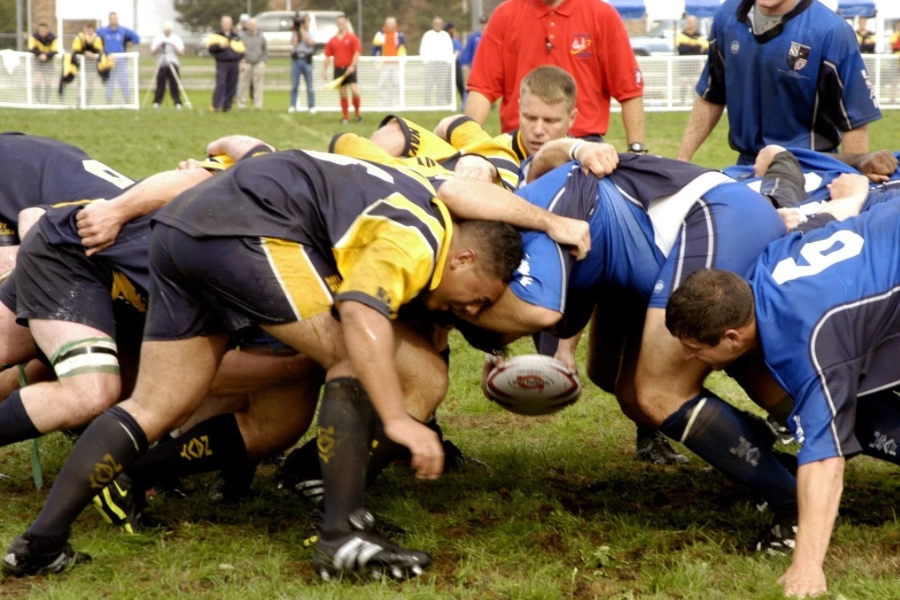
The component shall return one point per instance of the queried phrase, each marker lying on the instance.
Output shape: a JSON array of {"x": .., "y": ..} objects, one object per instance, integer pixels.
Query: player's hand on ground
[
  {"x": 598, "y": 158},
  {"x": 571, "y": 232},
  {"x": 475, "y": 167},
  {"x": 235, "y": 146},
  {"x": 98, "y": 225},
  {"x": 423, "y": 443},
  {"x": 878, "y": 166},
  {"x": 806, "y": 582}
]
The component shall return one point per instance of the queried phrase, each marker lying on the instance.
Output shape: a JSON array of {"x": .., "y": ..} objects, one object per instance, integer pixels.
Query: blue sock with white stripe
[{"x": 736, "y": 444}]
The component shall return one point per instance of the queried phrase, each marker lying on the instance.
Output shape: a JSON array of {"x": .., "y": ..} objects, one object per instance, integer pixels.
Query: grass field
[{"x": 562, "y": 511}]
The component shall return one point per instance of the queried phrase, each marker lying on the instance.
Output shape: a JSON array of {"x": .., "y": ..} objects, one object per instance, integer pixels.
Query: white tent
[{"x": 144, "y": 16}]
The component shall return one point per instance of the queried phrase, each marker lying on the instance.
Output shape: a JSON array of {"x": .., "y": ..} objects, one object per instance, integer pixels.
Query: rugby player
[
  {"x": 292, "y": 236},
  {"x": 821, "y": 308},
  {"x": 653, "y": 221}
]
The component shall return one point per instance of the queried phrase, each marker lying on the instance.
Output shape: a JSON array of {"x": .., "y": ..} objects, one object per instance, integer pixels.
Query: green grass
[{"x": 561, "y": 512}]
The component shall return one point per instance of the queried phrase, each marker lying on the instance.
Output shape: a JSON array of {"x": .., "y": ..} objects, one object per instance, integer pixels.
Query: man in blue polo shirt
[
  {"x": 790, "y": 73},
  {"x": 116, "y": 39}
]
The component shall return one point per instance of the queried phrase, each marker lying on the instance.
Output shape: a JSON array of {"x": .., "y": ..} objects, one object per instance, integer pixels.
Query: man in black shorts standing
[{"x": 345, "y": 48}]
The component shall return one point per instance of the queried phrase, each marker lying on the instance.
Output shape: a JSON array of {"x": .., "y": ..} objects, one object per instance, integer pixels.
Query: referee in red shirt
[
  {"x": 345, "y": 48},
  {"x": 586, "y": 38}
]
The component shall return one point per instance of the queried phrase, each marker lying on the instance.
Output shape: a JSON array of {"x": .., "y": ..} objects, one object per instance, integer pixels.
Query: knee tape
[{"x": 92, "y": 355}]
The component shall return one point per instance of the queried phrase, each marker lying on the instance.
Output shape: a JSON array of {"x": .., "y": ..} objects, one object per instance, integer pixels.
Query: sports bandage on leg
[{"x": 92, "y": 355}]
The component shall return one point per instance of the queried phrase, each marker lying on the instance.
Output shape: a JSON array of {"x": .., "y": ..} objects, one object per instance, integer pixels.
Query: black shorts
[
  {"x": 351, "y": 78},
  {"x": 60, "y": 283},
  {"x": 784, "y": 183},
  {"x": 208, "y": 286}
]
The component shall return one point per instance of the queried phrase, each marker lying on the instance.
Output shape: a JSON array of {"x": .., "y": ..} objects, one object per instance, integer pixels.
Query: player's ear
[
  {"x": 732, "y": 336},
  {"x": 464, "y": 258},
  {"x": 572, "y": 116}
]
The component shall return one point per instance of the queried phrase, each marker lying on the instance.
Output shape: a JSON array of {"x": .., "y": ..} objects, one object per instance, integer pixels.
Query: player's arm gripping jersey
[{"x": 827, "y": 306}]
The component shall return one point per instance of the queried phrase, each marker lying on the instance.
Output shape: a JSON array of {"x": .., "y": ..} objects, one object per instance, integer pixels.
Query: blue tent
[
  {"x": 856, "y": 8},
  {"x": 702, "y": 8},
  {"x": 629, "y": 9}
]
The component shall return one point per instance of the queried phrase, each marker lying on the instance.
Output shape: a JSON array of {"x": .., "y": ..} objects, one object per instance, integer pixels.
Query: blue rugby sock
[{"x": 737, "y": 444}]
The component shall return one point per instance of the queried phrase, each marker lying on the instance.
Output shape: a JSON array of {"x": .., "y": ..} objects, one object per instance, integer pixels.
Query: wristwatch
[{"x": 637, "y": 148}]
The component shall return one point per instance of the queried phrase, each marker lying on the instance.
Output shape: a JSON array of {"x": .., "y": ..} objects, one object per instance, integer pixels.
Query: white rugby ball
[{"x": 532, "y": 385}]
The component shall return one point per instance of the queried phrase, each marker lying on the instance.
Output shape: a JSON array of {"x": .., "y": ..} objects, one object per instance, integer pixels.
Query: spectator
[
  {"x": 242, "y": 24},
  {"x": 44, "y": 45},
  {"x": 895, "y": 49},
  {"x": 450, "y": 28},
  {"x": 167, "y": 47},
  {"x": 116, "y": 40},
  {"x": 228, "y": 49},
  {"x": 253, "y": 65},
  {"x": 585, "y": 38},
  {"x": 468, "y": 54},
  {"x": 301, "y": 63},
  {"x": 389, "y": 42},
  {"x": 864, "y": 37},
  {"x": 806, "y": 52},
  {"x": 436, "y": 50},
  {"x": 87, "y": 54},
  {"x": 345, "y": 48},
  {"x": 688, "y": 42}
]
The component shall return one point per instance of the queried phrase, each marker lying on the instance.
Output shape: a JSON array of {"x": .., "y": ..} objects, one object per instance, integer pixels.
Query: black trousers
[
  {"x": 226, "y": 84},
  {"x": 167, "y": 73}
]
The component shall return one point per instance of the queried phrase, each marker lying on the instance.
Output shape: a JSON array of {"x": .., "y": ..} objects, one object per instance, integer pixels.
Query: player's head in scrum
[
  {"x": 712, "y": 315},
  {"x": 546, "y": 107}
]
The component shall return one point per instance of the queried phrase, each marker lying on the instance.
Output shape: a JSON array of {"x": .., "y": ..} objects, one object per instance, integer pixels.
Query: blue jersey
[
  {"x": 114, "y": 40},
  {"x": 828, "y": 319},
  {"x": 799, "y": 85},
  {"x": 653, "y": 222}
]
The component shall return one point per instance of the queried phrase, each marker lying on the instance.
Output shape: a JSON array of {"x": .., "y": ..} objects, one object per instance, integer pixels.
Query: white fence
[
  {"x": 27, "y": 83},
  {"x": 669, "y": 81}
]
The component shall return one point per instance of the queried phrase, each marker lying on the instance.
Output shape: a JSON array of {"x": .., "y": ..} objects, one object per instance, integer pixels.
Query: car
[
  {"x": 276, "y": 26},
  {"x": 660, "y": 40}
]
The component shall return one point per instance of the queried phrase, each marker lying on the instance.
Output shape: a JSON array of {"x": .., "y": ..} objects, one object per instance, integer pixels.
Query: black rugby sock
[
  {"x": 15, "y": 424},
  {"x": 214, "y": 444},
  {"x": 736, "y": 443},
  {"x": 878, "y": 425},
  {"x": 344, "y": 435},
  {"x": 107, "y": 446}
]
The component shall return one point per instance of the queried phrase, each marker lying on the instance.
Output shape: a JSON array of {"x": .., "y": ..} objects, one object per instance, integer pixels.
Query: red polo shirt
[
  {"x": 585, "y": 37},
  {"x": 342, "y": 48}
]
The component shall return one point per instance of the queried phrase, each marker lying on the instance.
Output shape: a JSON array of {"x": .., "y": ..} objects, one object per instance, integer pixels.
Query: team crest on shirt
[
  {"x": 798, "y": 56},
  {"x": 582, "y": 45}
]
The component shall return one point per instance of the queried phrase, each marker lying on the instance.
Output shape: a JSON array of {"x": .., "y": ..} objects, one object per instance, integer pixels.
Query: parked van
[{"x": 276, "y": 26}]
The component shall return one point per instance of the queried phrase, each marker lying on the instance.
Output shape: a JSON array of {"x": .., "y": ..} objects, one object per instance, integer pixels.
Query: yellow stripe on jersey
[
  {"x": 73, "y": 203},
  {"x": 124, "y": 289},
  {"x": 303, "y": 287},
  {"x": 423, "y": 142},
  {"x": 390, "y": 258},
  {"x": 355, "y": 146}
]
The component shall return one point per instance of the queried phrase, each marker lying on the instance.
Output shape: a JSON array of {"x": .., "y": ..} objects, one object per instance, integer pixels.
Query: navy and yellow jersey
[
  {"x": 466, "y": 137},
  {"x": 48, "y": 44},
  {"x": 866, "y": 40},
  {"x": 82, "y": 43},
  {"x": 811, "y": 58},
  {"x": 380, "y": 228},
  {"x": 234, "y": 51},
  {"x": 356, "y": 146},
  {"x": 827, "y": 307},
  {"x": 44, "y": 171},
  {"x": 690, "y": 44}
]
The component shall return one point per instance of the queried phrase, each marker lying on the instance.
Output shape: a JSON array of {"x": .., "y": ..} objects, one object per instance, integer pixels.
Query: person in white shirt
[
  {"x": 436, "y": 51},
  {"x": 167, "y": 47}
]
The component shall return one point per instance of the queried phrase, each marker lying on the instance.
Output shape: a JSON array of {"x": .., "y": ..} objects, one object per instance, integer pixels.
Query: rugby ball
[{"x": 532, "y": 385}]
